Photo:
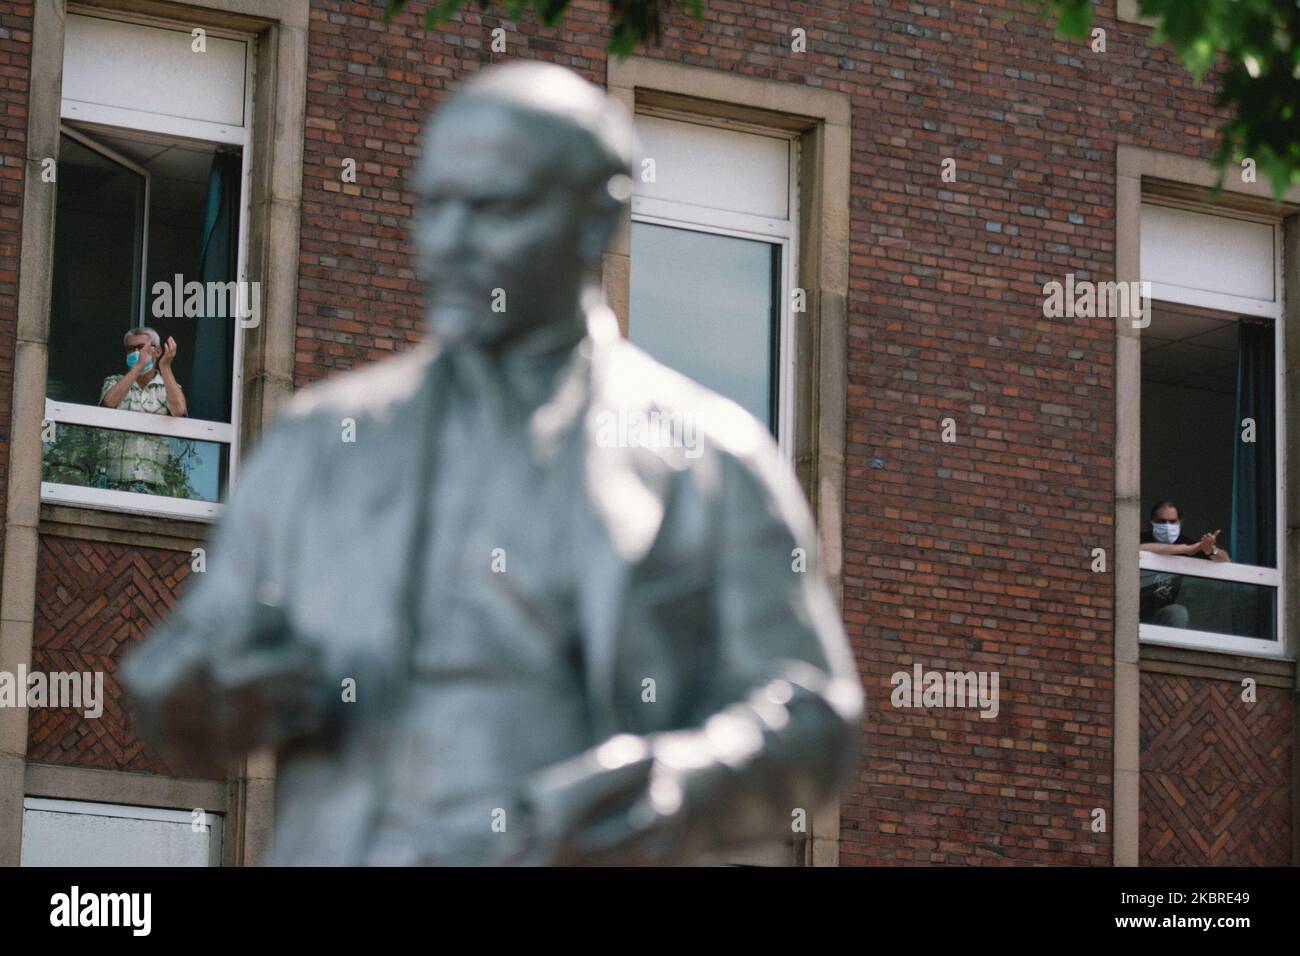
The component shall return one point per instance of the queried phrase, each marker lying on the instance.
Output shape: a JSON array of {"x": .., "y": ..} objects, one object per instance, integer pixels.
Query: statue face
[{"x": 497, "y": 226}]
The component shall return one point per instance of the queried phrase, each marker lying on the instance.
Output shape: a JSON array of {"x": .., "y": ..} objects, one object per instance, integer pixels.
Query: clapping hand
[{"x": 169, "y": 353}]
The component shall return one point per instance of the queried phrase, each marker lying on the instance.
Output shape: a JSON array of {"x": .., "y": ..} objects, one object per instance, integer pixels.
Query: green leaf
[{"x": 1074, "y": 18}]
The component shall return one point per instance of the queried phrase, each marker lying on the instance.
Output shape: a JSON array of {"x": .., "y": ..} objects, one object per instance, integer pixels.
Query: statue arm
[
  {"x": 223, "y": 675},
  {"x": 778, "y": 737}
]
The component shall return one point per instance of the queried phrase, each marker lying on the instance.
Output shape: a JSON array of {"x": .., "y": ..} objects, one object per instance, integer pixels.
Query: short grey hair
[{"x": 143, "y": 330}]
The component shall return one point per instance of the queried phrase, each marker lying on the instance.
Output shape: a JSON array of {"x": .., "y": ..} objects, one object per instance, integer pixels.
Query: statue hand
[{"x": 268, "y": 695}]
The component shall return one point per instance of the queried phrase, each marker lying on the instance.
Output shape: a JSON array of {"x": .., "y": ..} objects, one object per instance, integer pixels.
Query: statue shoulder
[
  {"x": 666, "y": 403},
  {"x": 681, "y": 444},
  {"x": 373, "y": 391}
]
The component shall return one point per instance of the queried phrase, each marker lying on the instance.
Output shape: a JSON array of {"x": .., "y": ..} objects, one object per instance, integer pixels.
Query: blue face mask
[
  {"x": 1166, "y": 532},
  {"x": 134, "y": 358}
]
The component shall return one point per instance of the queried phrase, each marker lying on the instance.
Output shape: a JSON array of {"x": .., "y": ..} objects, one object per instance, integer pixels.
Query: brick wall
[
  {"x": 94, "y": 602},
  {"x": 973, "y": 555},
  {"x": 370, "y": 89},
  {"x": 1216, "y": 774}
]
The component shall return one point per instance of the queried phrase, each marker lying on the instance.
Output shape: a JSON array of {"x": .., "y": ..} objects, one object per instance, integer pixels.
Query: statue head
[{"x": 522, "y": 180}]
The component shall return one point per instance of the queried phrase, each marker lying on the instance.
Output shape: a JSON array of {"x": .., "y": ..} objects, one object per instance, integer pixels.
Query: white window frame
[
  {"x": 719, "y": 222},
  {"x": 179, "y": 126},
  {"x": 1214, "y": 571},
  {"x": 1220, "y": 301},
  {"x": 112, "y": 119},
  {"x": 213, "y": 821},
  {"x": 1226, "y": 571}
]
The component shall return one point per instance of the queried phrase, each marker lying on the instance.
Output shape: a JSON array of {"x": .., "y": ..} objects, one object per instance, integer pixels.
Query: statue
[{"x": 474, "y": 627}]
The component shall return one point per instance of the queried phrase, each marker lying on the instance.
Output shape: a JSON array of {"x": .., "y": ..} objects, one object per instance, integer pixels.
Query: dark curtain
[
  {"x": 1254, "y": 465},
  {"x": 209, "y": 393}
]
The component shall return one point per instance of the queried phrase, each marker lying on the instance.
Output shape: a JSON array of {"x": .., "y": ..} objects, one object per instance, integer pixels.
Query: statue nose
[{"x": 447, "y": 229}]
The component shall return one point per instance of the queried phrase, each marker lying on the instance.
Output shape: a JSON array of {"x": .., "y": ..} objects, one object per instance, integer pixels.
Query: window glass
[
  {"x": 707, "y": 305},
  {"x": 1206, "y": 604},
  {"x": 116, "y": 460}
]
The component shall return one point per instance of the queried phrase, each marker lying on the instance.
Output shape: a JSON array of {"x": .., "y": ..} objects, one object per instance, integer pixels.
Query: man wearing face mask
[
  {"x": 134, "y": 462},
  {"x": 1165, "y": 537}
]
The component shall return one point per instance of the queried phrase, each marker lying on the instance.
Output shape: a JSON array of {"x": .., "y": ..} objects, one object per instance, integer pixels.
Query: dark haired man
[{"x": 1158, "y": 596}]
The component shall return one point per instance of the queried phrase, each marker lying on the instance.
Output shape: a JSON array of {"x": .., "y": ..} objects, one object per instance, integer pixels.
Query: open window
[
  {"x": 1211, "y": 432},
  {"x": 150, "y": 231},
  {"x": 712, "y": 259}
]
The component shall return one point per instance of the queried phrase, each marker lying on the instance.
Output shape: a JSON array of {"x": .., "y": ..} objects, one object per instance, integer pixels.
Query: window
[
  {"x": 150, "y": 231},
  {"x": 712, "y": 259},
  {"x": 77, "y": 833},
  {"x": 1212, "y": 429}
]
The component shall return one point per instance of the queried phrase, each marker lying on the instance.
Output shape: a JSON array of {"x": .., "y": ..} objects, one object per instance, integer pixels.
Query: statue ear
[{"x": 600, "y": 219}]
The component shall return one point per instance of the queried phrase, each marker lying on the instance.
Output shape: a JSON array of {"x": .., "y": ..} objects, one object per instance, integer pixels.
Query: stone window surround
[
  {"x": 1149, "y": 173},
  {"x": 821, "y": 118},
  {"x": 280, "y": 30},
  {"x": 1126, "y": 11}
]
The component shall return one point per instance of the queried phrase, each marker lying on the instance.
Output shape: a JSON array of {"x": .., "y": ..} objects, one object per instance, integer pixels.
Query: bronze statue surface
[{"x": 486, "y": 630}]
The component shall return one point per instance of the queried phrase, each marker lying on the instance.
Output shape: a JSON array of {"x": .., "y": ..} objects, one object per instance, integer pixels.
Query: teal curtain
[
  {"x": 1254, "y": 464},
  {"x": 209, "y": 393}
]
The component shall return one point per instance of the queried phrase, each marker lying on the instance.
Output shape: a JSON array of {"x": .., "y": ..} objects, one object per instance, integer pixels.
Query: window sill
[
  {"x": 126, "y": 502},
  {"x": 1275, "y": 669},
  {"x": 117, "y": 527}
]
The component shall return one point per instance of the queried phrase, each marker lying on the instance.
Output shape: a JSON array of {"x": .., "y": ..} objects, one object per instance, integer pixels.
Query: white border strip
[
  {"x": 123, "y": 421},
  {"x": 681, "y": 212},
  {"x": 1216, "y": 570},
  {"x": 106, "y": 499},
  {"x": 1208, "y": 640}
]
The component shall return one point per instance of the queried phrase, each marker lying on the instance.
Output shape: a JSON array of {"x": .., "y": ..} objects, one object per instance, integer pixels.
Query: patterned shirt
[{"x": 129, "y": 456}]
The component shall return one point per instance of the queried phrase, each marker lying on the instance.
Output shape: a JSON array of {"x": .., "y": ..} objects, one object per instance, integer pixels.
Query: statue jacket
[{"x": 724, "y": 702}]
